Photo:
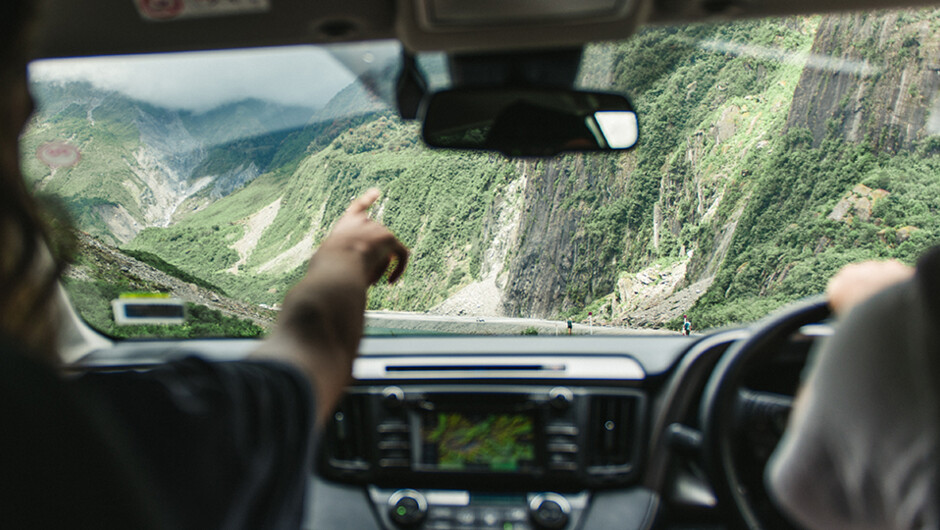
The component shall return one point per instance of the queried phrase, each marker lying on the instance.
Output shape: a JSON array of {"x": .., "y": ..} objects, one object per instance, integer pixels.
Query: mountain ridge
[{"x": 729, "y": 207}]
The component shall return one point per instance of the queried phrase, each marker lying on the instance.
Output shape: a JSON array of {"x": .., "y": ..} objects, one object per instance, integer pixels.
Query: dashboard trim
[{"x": 606, "y": 367}]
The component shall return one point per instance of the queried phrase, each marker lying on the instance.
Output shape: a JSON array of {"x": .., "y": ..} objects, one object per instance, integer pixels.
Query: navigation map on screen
[{"x": 478, "y": 442}]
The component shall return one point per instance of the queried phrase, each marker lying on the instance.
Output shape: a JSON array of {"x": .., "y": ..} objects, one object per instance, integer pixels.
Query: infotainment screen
[{"x": 462, "y": 441}]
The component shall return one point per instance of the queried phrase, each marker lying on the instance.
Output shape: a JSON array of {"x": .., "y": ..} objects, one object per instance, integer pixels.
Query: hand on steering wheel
[{"x": 731, "y": 413}]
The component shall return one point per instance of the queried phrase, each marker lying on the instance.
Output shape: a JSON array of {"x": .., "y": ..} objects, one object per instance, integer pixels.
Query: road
[{"x": 429, "y": 323}]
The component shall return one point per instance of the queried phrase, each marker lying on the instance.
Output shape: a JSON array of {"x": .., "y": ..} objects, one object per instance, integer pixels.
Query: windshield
[{"x": 771, "y": 153}]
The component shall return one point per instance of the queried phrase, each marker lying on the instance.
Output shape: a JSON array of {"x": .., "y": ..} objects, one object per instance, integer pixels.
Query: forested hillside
[
  {"x": 771, "y": 153},
  {"x": 138, "y": 165}
]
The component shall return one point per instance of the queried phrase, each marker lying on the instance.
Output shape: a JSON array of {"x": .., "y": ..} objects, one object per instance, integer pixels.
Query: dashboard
[{"x": 512, "y": 433}]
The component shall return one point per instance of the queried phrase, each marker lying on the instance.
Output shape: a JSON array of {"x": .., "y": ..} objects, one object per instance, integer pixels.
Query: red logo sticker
[
  {"x": 160, "y": 9},
  {"x": 58, "y": 154}
]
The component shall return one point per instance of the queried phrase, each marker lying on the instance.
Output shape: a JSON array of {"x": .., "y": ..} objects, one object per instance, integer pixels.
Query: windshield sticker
[
  {"x": 58, "y": 154},
  {"x": 166, "y": 10}
]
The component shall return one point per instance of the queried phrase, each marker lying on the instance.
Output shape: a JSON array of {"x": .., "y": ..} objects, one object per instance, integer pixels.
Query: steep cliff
[
  {"x": 772, "y": 152},
  {"x": 881, "y": 82}
]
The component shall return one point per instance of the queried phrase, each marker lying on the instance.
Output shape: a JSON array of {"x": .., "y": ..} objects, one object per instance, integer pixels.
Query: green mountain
[
  {"x": 772, "y": 152},
  {"x": 141, "y": 165}
]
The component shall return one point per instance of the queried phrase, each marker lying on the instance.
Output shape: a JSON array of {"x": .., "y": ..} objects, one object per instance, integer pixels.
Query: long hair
[{"x": 28, "y": 272}]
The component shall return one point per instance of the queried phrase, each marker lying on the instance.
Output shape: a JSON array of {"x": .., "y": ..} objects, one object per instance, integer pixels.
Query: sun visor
[
  {"x": 464, "y": 13},
  {"x": 169, "y": 10},
  {"x": 486, "y": 25}
]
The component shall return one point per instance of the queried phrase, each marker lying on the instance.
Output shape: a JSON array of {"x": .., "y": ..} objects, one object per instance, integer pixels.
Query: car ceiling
[{"x": 103, "y": 27}]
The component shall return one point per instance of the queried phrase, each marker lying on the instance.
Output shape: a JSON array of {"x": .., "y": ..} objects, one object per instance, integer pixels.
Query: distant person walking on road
[{"x": 686, "y": 325}]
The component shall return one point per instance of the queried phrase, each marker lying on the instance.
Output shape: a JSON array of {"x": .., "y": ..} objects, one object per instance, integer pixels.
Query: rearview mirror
[{"x": 529, "y": 121}]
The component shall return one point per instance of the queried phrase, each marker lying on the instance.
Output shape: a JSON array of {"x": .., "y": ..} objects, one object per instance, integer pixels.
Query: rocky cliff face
[
  {"x": 552, "y": 242},
  {"x": 758, "y": 143},
  {"x": 859, "y": 79},
  {"x": 875, "y": 79}
]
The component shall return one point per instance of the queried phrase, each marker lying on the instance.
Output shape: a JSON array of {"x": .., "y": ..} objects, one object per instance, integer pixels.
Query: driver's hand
[{"x": 858, "y": 282}]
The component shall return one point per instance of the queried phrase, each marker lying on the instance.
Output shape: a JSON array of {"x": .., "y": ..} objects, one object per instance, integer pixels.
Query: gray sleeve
[{"x": 860, "y": 450}]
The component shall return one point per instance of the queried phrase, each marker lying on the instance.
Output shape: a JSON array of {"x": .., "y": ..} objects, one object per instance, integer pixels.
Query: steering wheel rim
[{"x": 717, "y": 414}]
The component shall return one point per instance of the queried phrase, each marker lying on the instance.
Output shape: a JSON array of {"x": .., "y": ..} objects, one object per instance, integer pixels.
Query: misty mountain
[{"x": 140, "y": 163}]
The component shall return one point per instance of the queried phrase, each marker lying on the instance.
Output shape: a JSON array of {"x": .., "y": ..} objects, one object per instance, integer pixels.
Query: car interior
[{"x": 626, "y": 432}]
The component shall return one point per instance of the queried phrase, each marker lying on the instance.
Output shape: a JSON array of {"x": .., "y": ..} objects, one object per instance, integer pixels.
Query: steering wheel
[{"x": 732, "y": 417}]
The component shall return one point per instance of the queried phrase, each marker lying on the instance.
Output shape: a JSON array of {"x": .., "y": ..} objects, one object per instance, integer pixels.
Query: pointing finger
[{"x": 363, "y": 202}]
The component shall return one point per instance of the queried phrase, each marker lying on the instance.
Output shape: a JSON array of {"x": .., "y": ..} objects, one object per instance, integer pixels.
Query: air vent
[
  {"x": 347, "y": 446},
  {"x": 394, "y": 444},
  {"x": 611, "y": 434}
]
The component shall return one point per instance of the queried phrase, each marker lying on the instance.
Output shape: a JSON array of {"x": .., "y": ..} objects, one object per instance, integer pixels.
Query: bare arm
[{"x": 321, "y": 323}]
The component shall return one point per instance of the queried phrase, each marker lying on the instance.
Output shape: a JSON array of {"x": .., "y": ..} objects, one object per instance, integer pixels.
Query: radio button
[
  {"x": 490, "y": 518},
  {"x": 516, "y": 515},
  {"x": 442, "y": 512},
  {"x": 466, "y": 517}
]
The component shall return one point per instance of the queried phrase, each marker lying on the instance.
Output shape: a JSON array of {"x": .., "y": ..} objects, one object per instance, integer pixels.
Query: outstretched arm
[{"x": 322, "y": 318}]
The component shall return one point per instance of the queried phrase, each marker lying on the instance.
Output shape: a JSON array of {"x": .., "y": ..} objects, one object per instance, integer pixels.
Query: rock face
[
  {"x": 550, "y": 240},
  {"x": 857, "y": 204},
  {"x": 880, "y": 83}
]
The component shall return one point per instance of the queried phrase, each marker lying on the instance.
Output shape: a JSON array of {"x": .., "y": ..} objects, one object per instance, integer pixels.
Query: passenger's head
[{"x": 27, "y": 272}]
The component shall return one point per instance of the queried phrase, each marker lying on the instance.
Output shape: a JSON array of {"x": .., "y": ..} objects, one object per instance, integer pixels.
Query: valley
[{"x": 771, "y": 153}]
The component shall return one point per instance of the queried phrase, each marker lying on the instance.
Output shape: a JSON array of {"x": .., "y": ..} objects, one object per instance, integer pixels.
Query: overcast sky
[{"x": 200, "y": 81}]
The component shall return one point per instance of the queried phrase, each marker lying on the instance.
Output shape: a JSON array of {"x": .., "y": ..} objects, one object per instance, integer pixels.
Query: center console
[{"x": 438, "y": 456}]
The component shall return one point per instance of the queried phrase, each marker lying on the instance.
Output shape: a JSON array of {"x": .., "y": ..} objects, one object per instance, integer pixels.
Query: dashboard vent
[
  {"x": 612, "y": 434},
  {"x": 347, "y": 438}
]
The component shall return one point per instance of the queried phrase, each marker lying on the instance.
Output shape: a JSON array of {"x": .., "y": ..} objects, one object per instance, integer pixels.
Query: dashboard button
[
  {"x": 549, "y": 511},
  {"x": 490, "y": 518},
  {"x": 407, "y": 508},
  {"x": 516, "y": 515},
  {"x": 466, "y": 517},
  {"x": 442, "y": 512},
  {"x": 560, "y": 398}
]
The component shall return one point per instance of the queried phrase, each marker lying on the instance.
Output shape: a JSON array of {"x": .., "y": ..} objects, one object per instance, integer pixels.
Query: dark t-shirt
[
  {"x": 191, "y": 444},
  {"x": 58, "y": 468},
  {"x": 228, "y": 444}
]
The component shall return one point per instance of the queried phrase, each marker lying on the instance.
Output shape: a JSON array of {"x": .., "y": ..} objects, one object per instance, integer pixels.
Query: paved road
[{"x": 429, "y": 323}]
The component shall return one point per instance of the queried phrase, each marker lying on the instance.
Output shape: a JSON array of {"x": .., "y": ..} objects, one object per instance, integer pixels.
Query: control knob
[
  {"x": 407, "y": 508},
  {"x": 549, "y": 511}
]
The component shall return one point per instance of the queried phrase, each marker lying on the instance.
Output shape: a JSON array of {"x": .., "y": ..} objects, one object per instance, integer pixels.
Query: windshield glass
[{"x": 771, "y": 153}]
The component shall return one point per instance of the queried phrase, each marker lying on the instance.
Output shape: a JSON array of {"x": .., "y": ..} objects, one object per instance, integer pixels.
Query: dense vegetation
[
  {"x": 93, "y": 300},
  {"x": 758, "y": 170}
]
